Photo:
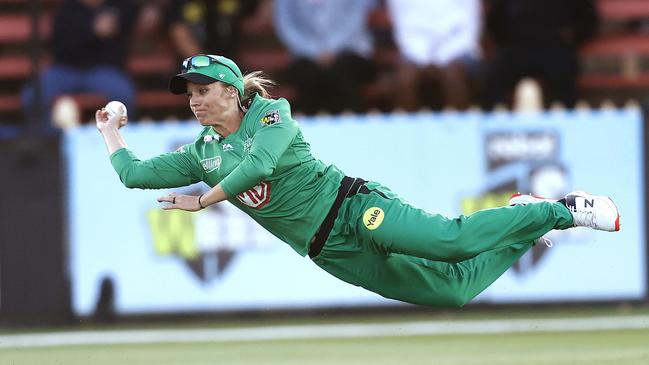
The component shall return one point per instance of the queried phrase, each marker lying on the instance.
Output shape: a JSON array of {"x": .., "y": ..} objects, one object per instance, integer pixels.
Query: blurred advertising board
[{"x": 448, "y": 163}]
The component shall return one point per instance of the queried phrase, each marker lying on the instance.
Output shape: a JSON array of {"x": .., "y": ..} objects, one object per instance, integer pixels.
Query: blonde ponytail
[{"x": 256, "y": 83}]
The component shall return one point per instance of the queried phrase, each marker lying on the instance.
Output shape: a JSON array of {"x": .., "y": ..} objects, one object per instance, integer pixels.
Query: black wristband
[{"x": 199, "y": 201}]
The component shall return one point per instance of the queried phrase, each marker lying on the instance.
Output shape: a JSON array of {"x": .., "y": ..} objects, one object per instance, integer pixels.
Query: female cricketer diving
[{"x": 251, "y": 152}]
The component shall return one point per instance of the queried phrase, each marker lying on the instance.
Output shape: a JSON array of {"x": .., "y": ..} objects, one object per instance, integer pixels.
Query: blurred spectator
[
  {"x": 330, "y": 42},
  {"x": 438, "y": 40},
  {"x": 89, "y": 49},
  {"x": 540, "y": 39},
  {"x": 208, "y": 26},
  {"x": 105, "y": 306},
  {"x": 150, "y": 18}
]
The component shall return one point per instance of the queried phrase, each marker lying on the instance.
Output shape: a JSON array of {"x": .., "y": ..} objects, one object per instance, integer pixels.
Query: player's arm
[
  {"x": 270, "y": 141},
  {"x": 165, "y": 171},
  {"x": 169, "y": 170},
  {"x": 272, "y": 137}
]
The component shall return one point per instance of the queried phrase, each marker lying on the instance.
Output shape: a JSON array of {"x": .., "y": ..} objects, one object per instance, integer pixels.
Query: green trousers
[{"x": 383, "y": 244}]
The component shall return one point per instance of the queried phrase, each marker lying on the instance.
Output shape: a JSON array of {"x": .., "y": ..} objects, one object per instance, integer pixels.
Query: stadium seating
[{"x": 613, "y": 61}]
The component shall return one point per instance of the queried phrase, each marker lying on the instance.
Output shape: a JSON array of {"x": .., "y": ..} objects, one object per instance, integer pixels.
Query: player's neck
[{"x": 229, "y": 124}]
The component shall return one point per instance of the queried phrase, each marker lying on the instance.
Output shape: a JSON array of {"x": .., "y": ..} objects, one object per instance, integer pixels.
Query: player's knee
[
  {"x": 450, "y": 300},
  {"x": 458, "y": 300}
]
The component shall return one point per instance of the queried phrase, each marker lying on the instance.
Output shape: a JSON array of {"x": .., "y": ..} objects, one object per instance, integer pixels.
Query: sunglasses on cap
[{"x": 201, "y": 60}]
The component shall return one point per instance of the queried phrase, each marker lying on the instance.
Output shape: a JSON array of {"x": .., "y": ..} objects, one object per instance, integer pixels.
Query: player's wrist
[
  {"x": 201, "y": 206},
  {"x": 109, "y": 129}
]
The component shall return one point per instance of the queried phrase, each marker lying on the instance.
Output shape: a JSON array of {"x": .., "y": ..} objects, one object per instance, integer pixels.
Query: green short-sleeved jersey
[{"x": 265, "y": 168}]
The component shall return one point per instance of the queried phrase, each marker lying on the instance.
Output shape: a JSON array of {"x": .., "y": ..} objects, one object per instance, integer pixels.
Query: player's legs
[
  {"x": 398, "y": 227},
  {"x": 416, "y": 280}
]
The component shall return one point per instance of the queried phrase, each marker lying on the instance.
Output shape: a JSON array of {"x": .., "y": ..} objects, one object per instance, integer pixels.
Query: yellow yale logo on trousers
[{"x": 373, "y": 217}]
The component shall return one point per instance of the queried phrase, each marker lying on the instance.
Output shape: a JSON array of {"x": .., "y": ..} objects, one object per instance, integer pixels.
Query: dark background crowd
[{"x": 326, "y": 55}]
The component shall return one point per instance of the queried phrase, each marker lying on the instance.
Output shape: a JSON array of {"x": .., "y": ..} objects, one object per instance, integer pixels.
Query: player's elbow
[
  {"x": 131, "y": 184},
  {"x": 130, "y": 180}
]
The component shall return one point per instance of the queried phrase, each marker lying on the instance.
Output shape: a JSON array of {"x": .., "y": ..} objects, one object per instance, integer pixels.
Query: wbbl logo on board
[
  {"x": 525, "y": 161},
  {"x": 181, "y": 235}
]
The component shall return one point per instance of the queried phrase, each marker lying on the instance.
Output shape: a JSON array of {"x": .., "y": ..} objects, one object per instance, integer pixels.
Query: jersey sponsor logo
[
  {"x": 227, "y": 147},
  {"x": 256, "y": 197},
  {"x": 373, "y": 217},
  {"x": 270, "y": 118},
  {"x": 211, "y": 164},
  {"x": 181, "y": 149}
]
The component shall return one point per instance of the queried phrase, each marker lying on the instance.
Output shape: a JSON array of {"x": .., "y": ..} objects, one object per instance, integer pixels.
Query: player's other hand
[
  {"x": 180, "y": 201},
  {"x": 104, "y": 122}
]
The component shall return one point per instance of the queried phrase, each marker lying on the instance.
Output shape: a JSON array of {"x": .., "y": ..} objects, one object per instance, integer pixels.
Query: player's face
[{"x": 211, "y": 102}]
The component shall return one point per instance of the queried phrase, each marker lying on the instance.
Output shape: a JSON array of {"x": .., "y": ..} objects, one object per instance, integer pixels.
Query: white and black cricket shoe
[{"x": 593, "y": 211}]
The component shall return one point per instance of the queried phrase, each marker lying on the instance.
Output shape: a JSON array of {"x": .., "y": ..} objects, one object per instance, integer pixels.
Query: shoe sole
[{"x": 617, "y": 213}]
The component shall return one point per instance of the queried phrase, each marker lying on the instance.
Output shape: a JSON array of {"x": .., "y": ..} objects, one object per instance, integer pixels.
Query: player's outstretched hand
[
  {"x": 104, "y": 121},
  {"x": 180, "y": 201}
]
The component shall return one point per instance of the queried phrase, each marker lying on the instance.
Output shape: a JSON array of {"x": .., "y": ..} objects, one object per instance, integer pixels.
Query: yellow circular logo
[{"x": 373, "y": 217}]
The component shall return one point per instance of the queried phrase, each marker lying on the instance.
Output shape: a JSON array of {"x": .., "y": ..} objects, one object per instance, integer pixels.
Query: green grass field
[
  {"x": 593, "y": 348},
  {"x": 533, "y": 346}
]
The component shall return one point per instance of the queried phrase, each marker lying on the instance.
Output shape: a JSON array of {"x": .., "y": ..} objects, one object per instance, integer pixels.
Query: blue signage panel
[{"x": 455, "y": 163}]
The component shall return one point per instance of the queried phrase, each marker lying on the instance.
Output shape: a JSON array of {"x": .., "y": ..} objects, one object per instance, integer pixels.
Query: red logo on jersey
[{"x": 256, "y": 197}]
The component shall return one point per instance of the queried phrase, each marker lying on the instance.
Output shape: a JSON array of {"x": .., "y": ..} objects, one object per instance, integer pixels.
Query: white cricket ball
[{"x": 116, "y": 108}]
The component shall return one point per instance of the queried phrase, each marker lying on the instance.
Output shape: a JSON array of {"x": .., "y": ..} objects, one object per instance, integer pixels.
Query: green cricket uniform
[{"x": 370, "y": 237}]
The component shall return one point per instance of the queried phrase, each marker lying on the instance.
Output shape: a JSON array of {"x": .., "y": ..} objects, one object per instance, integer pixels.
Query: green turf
[
  {"x": 629, "y": 347},
  {"x": 432, "y": 314}
]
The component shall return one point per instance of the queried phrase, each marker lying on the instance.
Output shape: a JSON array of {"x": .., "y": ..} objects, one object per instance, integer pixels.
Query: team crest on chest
[
  {"x": 211, "y": 164},
  {"x": 270, "y": 118},
  {"x": 256, "y": 197}
]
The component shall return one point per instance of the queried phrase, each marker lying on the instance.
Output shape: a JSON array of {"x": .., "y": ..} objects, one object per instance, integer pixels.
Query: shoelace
[
  {"x": 545, "y": 240},
  {"x": 584, "y": 219}
]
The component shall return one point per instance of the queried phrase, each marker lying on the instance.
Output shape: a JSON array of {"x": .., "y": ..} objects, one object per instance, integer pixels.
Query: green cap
[{"x": 219, "y": 69}]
